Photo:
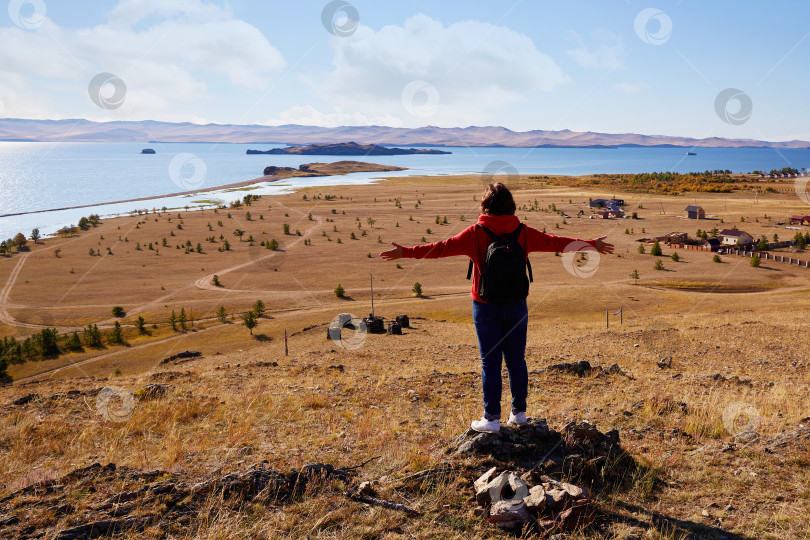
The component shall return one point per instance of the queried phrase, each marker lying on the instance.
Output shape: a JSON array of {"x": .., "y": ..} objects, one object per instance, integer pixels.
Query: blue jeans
[{"x": 501, "y": 331}]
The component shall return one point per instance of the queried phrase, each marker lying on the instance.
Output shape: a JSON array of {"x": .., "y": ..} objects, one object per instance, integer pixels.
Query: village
[{"x": 725, "y": 241}]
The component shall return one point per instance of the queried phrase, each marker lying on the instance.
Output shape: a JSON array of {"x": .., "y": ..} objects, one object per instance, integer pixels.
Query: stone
[
  {"x": 746, "y": 437},
  {"x": 556, "y": 498},
  {"x": 575, "y": 492},
  {"x": 506, "y": 486},
  {"x": 536, "y": 501},
  {"x": 25, "y": 399},
  {"x": 152, "y": 391},
  {"x": 509, "y": 514},
  {"x": 404, "y": 321},
  {"x": 366, "y": 488},
  {"x": 333, "y": 333},
  {"x": 580, "y": 513}
]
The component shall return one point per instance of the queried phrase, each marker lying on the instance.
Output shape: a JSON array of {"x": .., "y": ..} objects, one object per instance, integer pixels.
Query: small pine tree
[
  {"x": 656, "y": 250},
  {"x": 250, "y": 321},
  {"x": 675, "y": 256},
  {"x": 641, "y": 249},
  {"x": 139, "y": 324},
  {"x": 717, "y": 258},
  {"x": 116, "y": 336},
  {"x": 222, "y": 315},
  {"x": 215, "y": 281},
  {"x": 634, "y": 276},
  {"x": 73, "y": 343},
  {"x": 173, "y": 321},
  {"x": 417, "y": 289},
  {"x": 258, "y": 308},
  {"x": 182, "y": 318},
  {"x": 658, "y": 265},
  {"x": 340, "y": 291},
  {"x": 755, "y": 260}
]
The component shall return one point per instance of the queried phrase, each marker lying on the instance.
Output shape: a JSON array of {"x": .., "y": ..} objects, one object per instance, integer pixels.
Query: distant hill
[
  {"x": 12, "y": 129},
  {"x": 346, "y": 149}
]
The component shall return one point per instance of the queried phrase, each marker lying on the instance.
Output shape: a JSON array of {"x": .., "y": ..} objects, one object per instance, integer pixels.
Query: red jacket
[{"x": 473, "y": 243}]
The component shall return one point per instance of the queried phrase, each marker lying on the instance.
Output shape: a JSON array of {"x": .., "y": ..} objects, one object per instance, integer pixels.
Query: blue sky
[{"x": 609, "y": 66}]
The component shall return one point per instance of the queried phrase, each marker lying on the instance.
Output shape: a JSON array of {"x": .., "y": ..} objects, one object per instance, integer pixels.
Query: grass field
[{"x": 736, "y": 335}]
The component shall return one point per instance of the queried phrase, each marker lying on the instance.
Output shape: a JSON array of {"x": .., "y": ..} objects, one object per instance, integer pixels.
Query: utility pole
[
  {"x": 286, "y": 350},
  {"x": 371, "y": 277}
]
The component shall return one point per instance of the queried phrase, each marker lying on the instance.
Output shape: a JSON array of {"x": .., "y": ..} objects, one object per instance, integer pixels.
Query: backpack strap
[{"x": 514, "y": 236}]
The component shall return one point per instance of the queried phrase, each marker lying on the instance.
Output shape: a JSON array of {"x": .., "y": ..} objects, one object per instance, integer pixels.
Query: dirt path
[{"x": 206, "y": 282}]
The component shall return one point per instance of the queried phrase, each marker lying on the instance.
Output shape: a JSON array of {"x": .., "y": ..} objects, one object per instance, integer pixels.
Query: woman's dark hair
[{"x": 498, "y": 201}]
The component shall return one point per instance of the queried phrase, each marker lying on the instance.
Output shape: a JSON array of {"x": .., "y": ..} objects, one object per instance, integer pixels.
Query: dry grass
[{"x": 404, "y": 397}]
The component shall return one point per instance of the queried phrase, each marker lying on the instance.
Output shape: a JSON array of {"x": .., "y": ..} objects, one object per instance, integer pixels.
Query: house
[
  {"x": 800, "y": 220},
  {"x": 731, "y": 237},
  {"x": 713, "y": 243},
  {"x": 673, "y": 238},
  {"x": 601, "y": 203},
  {"x": 694, "y": 212},
  {"x": 611, "y": 211}
]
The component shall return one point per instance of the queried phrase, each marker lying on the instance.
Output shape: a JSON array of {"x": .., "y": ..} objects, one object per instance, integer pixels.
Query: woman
[{"x": 500, "y": 327}]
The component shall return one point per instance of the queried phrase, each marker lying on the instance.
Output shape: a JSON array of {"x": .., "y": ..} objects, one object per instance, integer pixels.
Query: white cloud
[
  {"x": 309, "y": 116},
  {"x": 475, "y": 68},
  {"x": 164, "y": 50},
  {"x": 605, "y": 52},
  {"x": 631, "y": 88}
]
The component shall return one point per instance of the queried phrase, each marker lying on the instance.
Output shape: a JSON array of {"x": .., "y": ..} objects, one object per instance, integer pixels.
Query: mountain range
[{"x": 79, "y": 130}]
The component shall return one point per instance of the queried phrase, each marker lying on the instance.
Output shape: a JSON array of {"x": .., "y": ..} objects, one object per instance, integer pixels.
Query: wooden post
[
  {"x": 286, "y": 350},
  {"x": 607, "y": 319},
  {"x": 371, "y": 277}
]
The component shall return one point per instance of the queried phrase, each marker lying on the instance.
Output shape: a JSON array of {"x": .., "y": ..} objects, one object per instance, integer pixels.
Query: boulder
[
  {"x": 506, "y": 486},
  {"x": 333, "y": 333},
  {"x": 509, "y": 514},
  {"x": 536, "y": 501},
  {"x": 404, "y": 321}
]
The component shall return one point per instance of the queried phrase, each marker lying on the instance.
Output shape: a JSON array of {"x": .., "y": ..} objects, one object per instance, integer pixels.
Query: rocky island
[{"x": 347, "y": 149}]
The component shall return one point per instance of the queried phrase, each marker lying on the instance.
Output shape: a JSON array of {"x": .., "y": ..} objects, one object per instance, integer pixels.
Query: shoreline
[{"x": 268, "y": 178}]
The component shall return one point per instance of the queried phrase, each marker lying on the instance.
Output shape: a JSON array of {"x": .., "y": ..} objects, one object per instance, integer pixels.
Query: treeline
[
  {"x": 48, "y": 343},
  {"x": 85, "y": 223},
  {"x": 717, "y": 181}
]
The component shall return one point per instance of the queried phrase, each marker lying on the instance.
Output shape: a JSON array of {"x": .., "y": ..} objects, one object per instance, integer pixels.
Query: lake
[{"x": 41, "y": 176}]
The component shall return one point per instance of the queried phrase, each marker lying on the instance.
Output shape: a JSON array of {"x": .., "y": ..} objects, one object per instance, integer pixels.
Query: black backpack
[{"x": 503, "y": 277}]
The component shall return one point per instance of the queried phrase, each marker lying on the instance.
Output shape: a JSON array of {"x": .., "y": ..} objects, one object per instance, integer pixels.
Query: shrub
[
  {"x": 659, "y": 265},
  {"x": 755, "y": 260},
  {"x": 118, "y": 311},
  {"x": 675, "y": 256},
  {"x": 340, "y": 292},
  {"x": 717, "y": 258},
  {"x": 417, "y": 289}
]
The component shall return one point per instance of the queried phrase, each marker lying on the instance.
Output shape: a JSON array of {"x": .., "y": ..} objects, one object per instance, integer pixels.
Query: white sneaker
[
  {"x": 486, "y": 426},
  {"x": 517, "y": 420}
]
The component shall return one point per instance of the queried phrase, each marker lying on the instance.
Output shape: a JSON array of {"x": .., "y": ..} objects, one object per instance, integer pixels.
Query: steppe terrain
[{"x": 719, "y": 435}]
